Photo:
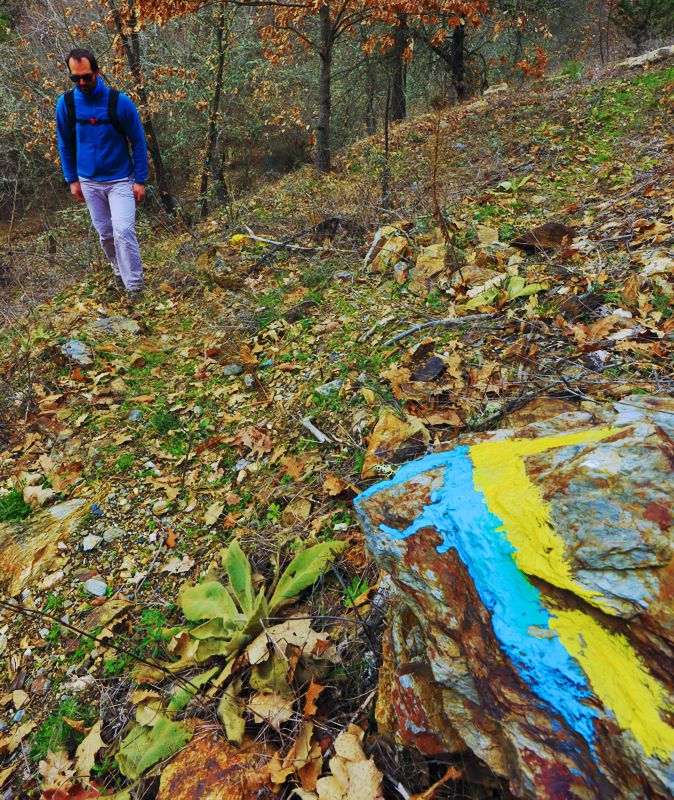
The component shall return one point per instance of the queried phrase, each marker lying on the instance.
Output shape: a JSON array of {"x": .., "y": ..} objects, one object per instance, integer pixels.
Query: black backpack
[{"x": 113, "y": 119}]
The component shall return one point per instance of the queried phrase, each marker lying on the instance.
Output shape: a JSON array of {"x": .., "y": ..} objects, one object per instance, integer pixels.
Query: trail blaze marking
[{"x": 498, "y": 521}]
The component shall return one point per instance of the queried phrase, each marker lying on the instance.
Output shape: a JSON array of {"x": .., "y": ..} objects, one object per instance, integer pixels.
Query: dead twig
[
  {"x": 149, "y": 569},
  {"x": 33, "y": 613},
  {"x": 435, "y": 323}
]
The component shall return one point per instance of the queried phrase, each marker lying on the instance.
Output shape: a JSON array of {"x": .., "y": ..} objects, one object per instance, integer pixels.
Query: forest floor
[{"x": 259, "y": 387}]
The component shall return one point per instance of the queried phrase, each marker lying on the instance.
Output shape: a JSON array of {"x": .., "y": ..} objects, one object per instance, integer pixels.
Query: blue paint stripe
[{"x": 460, "y": 515}]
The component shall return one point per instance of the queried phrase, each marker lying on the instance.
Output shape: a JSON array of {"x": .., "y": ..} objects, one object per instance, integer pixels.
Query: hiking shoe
[
  {"x": 117, "y": 285},
  {"x": 134, "y": 296}
]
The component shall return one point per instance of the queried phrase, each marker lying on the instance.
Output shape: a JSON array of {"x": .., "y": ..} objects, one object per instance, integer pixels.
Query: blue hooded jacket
[{"x": 102, "y": 154}]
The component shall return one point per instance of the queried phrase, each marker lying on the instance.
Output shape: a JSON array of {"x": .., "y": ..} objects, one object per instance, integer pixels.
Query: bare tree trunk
[
  {"x": 213, "y": 116},
  {"x": 323, "y": 158},
  {"x": 386, "y": 172},
  {"x": 398, "y": 109},
  {"x": 131, "y": 45},
  {"x": 458, "y": 64},
  {"x": 371, "y": 90},
  {"x": 600, "y": 26}
]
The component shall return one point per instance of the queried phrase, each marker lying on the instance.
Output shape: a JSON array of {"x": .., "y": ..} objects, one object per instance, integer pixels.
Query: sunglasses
[{"x": 85, "y": 78}]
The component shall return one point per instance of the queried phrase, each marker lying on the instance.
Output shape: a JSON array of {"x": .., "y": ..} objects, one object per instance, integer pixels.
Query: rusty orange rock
[{"x": 211, "y": 769}]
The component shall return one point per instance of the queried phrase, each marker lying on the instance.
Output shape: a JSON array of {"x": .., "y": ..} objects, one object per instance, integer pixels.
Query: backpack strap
[
  {"x": 69, "y": 100},
  {"x": 113, "y": 99}
]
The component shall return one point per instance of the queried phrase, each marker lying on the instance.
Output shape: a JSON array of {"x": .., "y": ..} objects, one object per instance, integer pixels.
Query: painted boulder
[{"x": 532, "y": 618}]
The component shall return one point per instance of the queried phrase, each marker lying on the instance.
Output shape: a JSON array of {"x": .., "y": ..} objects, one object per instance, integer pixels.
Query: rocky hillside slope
[{"x": 513, "y": 254}]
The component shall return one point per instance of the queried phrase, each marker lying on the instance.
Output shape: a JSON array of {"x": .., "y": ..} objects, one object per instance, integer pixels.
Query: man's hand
[
  {"x": 76, "y": 191},
  {"x": 138, "y": 192}
]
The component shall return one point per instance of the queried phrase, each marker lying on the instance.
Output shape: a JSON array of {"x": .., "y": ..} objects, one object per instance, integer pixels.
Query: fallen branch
[
  {"x": 35, "y": 614},
  {"x": 380, "y": 324},
  {"x": 313, "y": 430},
  {"x": 287, "y": 244},
  {"x": 435, "y": 323}
]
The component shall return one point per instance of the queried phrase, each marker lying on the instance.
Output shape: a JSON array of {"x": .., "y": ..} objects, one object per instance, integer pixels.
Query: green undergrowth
[
  {"x": 57, "y": 733},
  {"x": 13, "y": 508}
]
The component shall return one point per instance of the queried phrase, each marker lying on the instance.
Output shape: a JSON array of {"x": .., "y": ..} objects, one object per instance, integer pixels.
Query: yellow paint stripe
[
  {"x": 616, "y": 673},
  {"x": 619, "y": 678},
  {"x": 499, "y": 473}
]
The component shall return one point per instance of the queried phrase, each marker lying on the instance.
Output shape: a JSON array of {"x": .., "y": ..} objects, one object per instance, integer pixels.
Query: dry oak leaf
[
  {"x": 293, "y": 467},
  {"x": 18, "y": 736},
  {"x": 253, "y": 439},
  {"x": 296, "y": 512},
  {"x": 310, "y": 698},
  {"x": 299, "y": 755},
  {"x": 333, "y": 485},
  {"x": 85, "y": 755},
  {"x": 19, "y": 698},
  {"x": 271, "y": 707},
  {"x": 394, "y": 441},
  {"x": 37, "y": 496},
  {"x": 212, "y": 513},
  {"x": 354, "y": 776},
  {"x": 247, "y": 356},
  {"x": 57, "y": 771},
  {"x": 430, "y": 263},
  {"x": 149, "y": 707},
  {"x": 5, "y": 774},
  {"x": 178, "y": 566},
  {"x": 295, "y": 632},
  {"x": 402, "y": 386}
]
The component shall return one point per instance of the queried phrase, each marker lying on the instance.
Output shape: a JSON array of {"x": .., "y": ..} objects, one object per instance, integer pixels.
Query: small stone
[
  {"x": 90, "y": 542},
  {"x": 96, "y": 586},
  {"x": 329, "y": 388},
  {"x": 51, "y": 580},
  {"x": 117, "y": 326},
  {"x": 160, "y": 507},
  {"x": 248, "y": 381},
  {"x": 232, "y": 369},
  {"x": 149, "y": 465},
  {"x": 110, "y": 534},
  {"x": 136, "y": 415},
  {"x": 77, "y": 352}
]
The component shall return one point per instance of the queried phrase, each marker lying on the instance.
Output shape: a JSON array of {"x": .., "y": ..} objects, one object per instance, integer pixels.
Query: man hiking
[{"x": 93, "y": 124}]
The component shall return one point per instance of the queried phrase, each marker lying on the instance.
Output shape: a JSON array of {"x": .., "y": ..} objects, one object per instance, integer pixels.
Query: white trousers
[{"x": 113, "y": 213}]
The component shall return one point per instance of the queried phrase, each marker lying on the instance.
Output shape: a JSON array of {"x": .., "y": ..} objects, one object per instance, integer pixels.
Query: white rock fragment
[
  {"x": 96, "y": 586},
  {"x": 110, "y": 534},
  {"x": 90, "y": 542},
  {"x": 160, "y": 507}
]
